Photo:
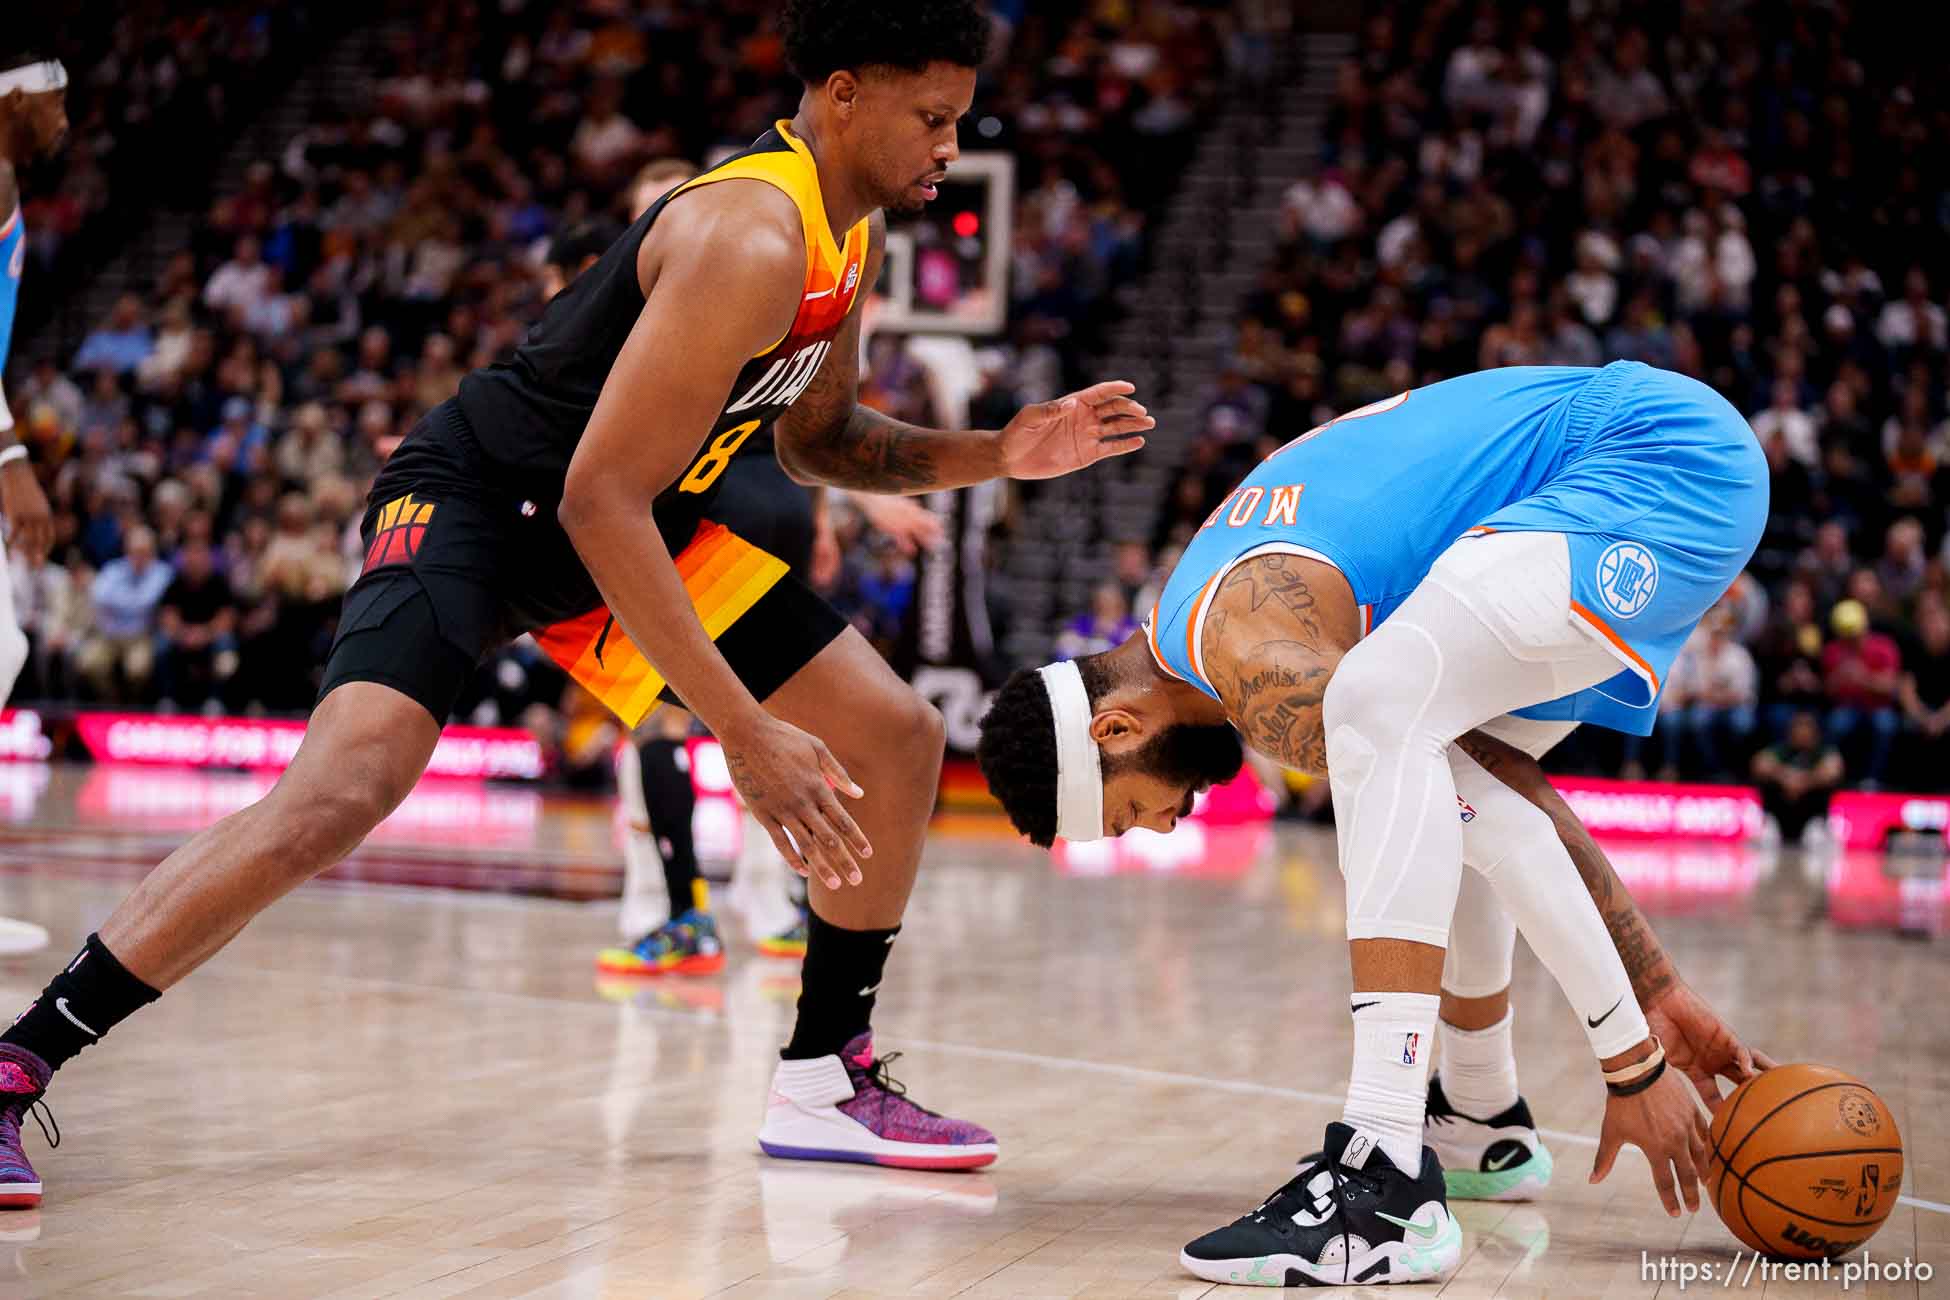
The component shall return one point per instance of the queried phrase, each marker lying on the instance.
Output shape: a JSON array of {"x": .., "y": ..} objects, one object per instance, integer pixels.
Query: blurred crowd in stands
[
  {"x": 1747, "y": 193},
  {"x": 208, "y": 446}
]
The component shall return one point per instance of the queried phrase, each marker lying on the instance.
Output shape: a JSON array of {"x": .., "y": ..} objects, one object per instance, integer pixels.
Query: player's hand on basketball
[
  {"x": 791, "y": 782},
  {"x": 30, "y": 524},
  {"x": 1665, "y": 1122},
  {"x": 1051, "y": 438},
  {"x": 1700, "y": 1045}
]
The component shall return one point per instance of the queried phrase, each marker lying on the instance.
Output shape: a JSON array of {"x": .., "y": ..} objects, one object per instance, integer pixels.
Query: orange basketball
[{"x": 1806, "y": 1162}]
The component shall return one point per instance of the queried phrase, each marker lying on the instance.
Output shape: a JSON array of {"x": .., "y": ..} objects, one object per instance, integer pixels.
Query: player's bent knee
[
  {"x": 1365, "y": 695},
  {"x": 1526, "y": 842},
  {"x": 320, "y": 826},
  {"x": 930, "y": 729},
  {"x": 904, "y": 728}
]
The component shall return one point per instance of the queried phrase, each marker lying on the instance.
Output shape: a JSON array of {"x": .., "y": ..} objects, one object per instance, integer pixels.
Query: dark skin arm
[
  {"x": 736, "y": 246},
  {"x": 826, "y": 436},
  {"x": 1698, "y": 1043},
  {"x": 1277, "y": 627}
]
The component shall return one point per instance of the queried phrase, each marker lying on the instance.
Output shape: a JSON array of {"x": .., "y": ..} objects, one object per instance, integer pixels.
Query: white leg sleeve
[
  {"x": 13, "y": 641},
  {"x": 1538, "y": 886},
  {"x": 646, "y": 902},
  {"x": 1482, "y": 940},
  {"x": 1488, "y": 631},
  {"x": 1483, "y": 937}
]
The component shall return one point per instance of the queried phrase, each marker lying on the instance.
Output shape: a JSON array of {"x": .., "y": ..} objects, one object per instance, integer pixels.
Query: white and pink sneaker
[{"x": 846, "y": 1108}]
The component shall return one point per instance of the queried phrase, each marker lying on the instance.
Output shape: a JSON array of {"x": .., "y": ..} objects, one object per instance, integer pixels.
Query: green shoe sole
[{"x": 1517, "y": 1183}]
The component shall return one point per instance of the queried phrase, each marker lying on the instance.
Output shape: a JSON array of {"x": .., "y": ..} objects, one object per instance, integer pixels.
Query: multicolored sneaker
[
  {"x": 1495, "y": 1159},
  {"x": 846, "y": 1108},
  {"x": 684, "y": 945},
  {"x": 1348, "y": 1217},
  {"x": 790, "y": 942},
  {"x": 23, "y": 1078}
]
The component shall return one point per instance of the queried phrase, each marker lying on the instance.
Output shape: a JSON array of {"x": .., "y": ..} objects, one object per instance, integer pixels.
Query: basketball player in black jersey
[{"x": 567, "y": 492}]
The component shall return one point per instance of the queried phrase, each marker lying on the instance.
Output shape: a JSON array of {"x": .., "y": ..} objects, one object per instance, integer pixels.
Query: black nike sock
[
  {"x": 92, "y": 996},
  {"x": 670, "y": 799},
  {"x": 837, "y": 986}
]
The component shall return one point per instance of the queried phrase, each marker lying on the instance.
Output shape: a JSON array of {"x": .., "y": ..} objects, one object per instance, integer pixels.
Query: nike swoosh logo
[
  {"x": 1607, "y": 1016},
  {"x": 602, "y": 638},
  {"x": 1502, "y": 1162},
  {"x": 61, "y": 1005},
  {"x": 1358, "y": 1006},
  {"x": 870, "y": 990},
  {"x": 824, "y": 293},
  {"x": 1428, "y": 1232}
]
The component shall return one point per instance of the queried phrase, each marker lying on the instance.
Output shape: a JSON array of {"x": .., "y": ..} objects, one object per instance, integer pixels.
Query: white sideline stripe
[
  {"x": 1141, "y": 1074},
  {"x": 1136, "y": 1073}
]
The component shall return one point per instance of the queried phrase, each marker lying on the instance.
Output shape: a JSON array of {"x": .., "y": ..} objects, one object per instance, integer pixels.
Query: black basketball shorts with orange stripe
[{"x": 457, "y": 564}]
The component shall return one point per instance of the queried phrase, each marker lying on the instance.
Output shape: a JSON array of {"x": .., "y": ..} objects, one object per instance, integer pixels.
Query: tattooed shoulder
[{"x": 1271, "y": 681}]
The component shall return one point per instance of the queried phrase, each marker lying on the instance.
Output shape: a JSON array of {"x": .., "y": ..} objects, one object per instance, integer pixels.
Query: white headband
[
  {"x": 34, "y": 78},
  {"x": 1079, "y": 764}
]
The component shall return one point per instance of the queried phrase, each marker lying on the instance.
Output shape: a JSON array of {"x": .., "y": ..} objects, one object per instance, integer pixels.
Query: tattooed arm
[
  {"x": 1697, "y": 1041},
  {"x": 1652, "y": 971},
  {"x": 826, "y": 436},
  {"x": 1276, "y": 628}
]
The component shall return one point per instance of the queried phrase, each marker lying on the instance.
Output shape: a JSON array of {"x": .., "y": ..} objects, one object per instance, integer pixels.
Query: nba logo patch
[
  {"x": 396, "y": 537},
  {"x": 1468, "y": 813},
  {"x": 1411, "y": 1045},
  {"x": 1627, "y": 578}
]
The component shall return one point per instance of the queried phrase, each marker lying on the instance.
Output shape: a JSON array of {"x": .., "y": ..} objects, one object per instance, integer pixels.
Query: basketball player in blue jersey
[
  {"x": 1503, "y": 554},
  {"x": 567, "y": 492},
  {"x": 33, "y": 123}
]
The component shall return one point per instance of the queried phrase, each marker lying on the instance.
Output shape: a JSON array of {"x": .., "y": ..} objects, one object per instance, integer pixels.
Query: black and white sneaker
[
  {"x": 1496, "y": 1159},
  {"x": 1349, "y": 1216}
]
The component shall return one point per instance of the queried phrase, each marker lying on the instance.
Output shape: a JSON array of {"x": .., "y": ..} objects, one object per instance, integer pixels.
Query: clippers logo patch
[
  {"x": 396, "y": 538},
  {"x": 1627, "y": 578}
]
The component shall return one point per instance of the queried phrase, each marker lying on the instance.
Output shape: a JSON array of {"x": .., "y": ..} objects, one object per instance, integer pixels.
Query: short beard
[{"x": 1186, "y": 754}]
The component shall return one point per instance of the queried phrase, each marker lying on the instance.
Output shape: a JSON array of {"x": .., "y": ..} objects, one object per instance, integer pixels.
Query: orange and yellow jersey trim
[
  {"x": 834, "y": 265},
  {"x": 724, "y": 574},
  {"x": 773, "y": 379}
]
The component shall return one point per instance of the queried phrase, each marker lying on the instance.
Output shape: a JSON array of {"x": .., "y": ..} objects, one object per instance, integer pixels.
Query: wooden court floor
[{"x": 395, "y": 1090}]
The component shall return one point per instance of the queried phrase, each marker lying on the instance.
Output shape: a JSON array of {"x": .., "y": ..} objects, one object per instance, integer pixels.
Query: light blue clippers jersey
[
  {"x": 1658, "y": 483},
  {"x": 13, "y": 257}
]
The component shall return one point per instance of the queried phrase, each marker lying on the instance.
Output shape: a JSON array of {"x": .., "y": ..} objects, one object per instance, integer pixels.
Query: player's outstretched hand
[
  {"x": 1665, "y": 1122},
  {"x": 30, "y": 524},
  {"x": 1053, "y": 438},
  {"x": 1700, "y": 1045},
  {"x": 791, "y": 782}
]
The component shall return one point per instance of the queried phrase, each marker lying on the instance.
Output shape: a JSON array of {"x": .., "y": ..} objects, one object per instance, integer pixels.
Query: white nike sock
[
  {"x": 1478, "y": 1068},
  {"x": 1387, "y": 1090}
]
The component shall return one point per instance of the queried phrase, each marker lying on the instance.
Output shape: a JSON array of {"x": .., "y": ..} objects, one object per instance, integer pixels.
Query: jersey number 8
[{"x": 705, "y": 470}]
